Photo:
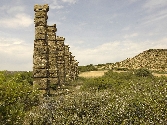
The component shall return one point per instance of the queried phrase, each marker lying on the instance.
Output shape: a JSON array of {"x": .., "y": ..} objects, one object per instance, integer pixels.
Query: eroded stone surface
[{"x": 53, "y": 63}]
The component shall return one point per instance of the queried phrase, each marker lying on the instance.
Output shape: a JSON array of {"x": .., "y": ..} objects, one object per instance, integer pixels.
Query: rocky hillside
[{"x": 152, "y": 59}]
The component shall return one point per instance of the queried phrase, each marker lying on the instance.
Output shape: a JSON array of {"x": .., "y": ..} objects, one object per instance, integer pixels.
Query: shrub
[
  {"x": 90, "y": 67},
  {"x": 142, "y": 72},
  {"x": 16, "y": 98},
  {"x": 141, "y": 102},
  {"x": 97, "y": 83}
]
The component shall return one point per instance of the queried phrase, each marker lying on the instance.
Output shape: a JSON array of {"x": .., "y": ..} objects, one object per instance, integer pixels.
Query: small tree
[{"x": 142, "y": 72}]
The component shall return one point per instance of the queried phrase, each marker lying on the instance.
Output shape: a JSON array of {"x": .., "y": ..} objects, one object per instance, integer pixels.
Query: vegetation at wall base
[
  {"x": 89, "y": 67},
  {"x": 114, "y": 99}
]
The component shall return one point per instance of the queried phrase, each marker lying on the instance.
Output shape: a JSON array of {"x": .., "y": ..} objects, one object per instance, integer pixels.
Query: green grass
[{"x": 114, "y": 99}]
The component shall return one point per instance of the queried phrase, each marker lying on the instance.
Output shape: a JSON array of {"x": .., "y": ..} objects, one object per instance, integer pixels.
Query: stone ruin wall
[{"x": 53, "y": 63}]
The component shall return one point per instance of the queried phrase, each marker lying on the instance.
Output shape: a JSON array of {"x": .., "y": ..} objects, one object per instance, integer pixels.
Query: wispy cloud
[
  {"x": 132, "y": 1},
  {"x": 56, "y": 5},
  {"x": 131, "y": 27},
  {"x": 154, "y": 17},
  {"x": 15, "y": 54},
  {"x": 70, "y": 1},
  {"x": 151, "y": 5},
  {"x": 12, "y": 9},
  {"x": 14, "y": 17},
  {"x": 15, "y": 9},
  {"x": 126, "y": 28},
  {"x": 18, "y": 21},
  {"x": 115, "y": 51},
  {"x": 131, "y": 35}
]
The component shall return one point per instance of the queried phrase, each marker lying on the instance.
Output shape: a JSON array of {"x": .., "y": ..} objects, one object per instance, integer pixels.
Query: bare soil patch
[
  {"x": 92, "y": 74},
  {"x": 119, "y": 71},
  {"x": 159, "y": 75}
]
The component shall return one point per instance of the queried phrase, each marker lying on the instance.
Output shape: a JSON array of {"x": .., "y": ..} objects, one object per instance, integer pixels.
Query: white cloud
[
  {"x": 79, "y": 42},
  {"x": 12, "y": 9},
  {"x": 19, "y": 20},
  {"x": 15, "y": 54},
  {"x": 154, "y": 4},
  {"x": 56, "y": 6},
  {"x": 115, "y": 51},
  {"x": 15, "y": 9},
  {"x": 6, "y": 40},
  {"x": 70, "y": 1},
  {"x": 14, "y": 16},
  {"x": 131, "y": 35},
  {"x": 132, "y": 1},
  {"x": 154, "y": 17},
  {"x": 126, "y": 28}
]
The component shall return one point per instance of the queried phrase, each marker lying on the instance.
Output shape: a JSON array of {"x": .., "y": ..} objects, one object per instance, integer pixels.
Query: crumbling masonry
[{"x": 53, "y": 63}]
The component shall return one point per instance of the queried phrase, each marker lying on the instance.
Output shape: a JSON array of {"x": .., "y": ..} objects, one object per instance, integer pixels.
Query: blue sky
[{"x": 98, "y": 31}]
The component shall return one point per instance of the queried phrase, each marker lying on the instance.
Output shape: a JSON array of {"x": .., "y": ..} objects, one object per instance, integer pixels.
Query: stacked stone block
[
  {"x": 52, "y": 46},
  {"x": 60, "y": 59},
  {"x": 71, "y": 67},
  {"x": 67, "y": 63},
  {"x": 40, "y": 56},
  {"x": 76, "y": 71},
  {"x": 53, "y": 63}
]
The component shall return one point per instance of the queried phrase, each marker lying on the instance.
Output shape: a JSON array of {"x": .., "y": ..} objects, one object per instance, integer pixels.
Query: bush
[
  {"x": 73, "y": 109},
  {"x": 109, "y": 80},
  {"x": 121, "y": 69},
  {"x": 16, "y": 98},
  {"x": 97, "y": 83},
  {"x": 90, "y": 67},
  {"x": 143, "y": 73}
]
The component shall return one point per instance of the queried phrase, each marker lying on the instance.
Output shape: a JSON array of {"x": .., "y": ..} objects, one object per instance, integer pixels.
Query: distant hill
[{"x": 152, "y": 59}]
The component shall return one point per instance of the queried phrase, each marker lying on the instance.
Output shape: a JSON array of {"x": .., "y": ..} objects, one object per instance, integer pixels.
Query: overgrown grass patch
[{"x": 114, "y": 99}]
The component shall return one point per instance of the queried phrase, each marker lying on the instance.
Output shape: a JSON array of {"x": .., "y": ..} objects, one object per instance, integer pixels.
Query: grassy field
[{"x": 124, "y": 98}]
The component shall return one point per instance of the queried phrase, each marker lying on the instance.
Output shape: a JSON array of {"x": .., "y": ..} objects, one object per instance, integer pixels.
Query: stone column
[
  {"x": 52, "y": 46},
  {"x": 71, "y": 67},
  {"x": 60, "y": 59},
  {"x": 76, "y": 72},
  {"x": 40, "y": 56},
  {"x": 67, "y": 64}
]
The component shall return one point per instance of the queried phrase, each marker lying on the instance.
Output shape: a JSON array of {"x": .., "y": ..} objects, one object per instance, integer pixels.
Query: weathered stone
[
  {"x": 53, "y": 64},
  {"x": 40, "y": 22},
  {"x": 41, "y": 8},
  {"x": 40, "y": 43},
  {"x": 40, "y": 14},
  {"x": 40, "y": 83},
  {"x": 40, "y": 73},
  {"x": 41, "y": 49},
  {"x": 40, "y": 56}
]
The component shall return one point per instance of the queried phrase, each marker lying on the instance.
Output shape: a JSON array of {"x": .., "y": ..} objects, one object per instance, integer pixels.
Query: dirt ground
[
  {"x": 156, "y": 74},
  {"x": 92, "y": 74}
]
